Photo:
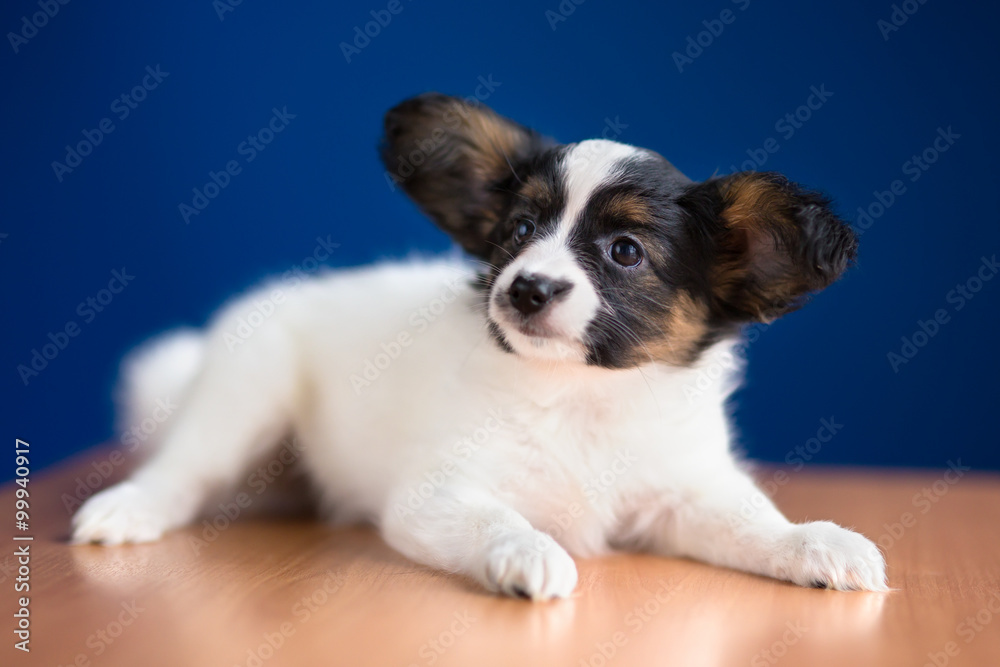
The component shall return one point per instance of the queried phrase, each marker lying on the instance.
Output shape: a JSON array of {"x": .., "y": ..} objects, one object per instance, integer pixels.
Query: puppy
[{"x": 493, "y": 419}]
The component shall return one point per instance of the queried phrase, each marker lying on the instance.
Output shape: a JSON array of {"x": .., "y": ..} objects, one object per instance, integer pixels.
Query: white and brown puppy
[{"x": 533, "y": 406}]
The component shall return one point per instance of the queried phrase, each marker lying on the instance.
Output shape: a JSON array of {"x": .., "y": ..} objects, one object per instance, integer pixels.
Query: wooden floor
[{"x": 293, "y": 592}]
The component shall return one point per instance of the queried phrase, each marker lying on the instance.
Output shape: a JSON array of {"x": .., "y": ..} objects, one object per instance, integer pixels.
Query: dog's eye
[
  {"x": 626, "y": 252},
  {"x": 523, "y": 231}
]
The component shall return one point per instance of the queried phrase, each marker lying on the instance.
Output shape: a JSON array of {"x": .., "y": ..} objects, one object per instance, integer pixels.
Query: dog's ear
[
  {"x": 774, "y": 242},
  {"x": 458, "y": 161}
]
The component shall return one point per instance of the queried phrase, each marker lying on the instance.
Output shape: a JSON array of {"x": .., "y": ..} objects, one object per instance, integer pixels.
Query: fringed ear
[
  {"x": 454, "y": 158},
  {"x": 776, "y": 243}
]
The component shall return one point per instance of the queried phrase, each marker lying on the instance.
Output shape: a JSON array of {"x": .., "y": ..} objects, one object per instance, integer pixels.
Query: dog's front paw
[
  {"x": 123, "y": 513},
  {"x": 530, "y": 565},
  {"x": 824, "y": 555}
]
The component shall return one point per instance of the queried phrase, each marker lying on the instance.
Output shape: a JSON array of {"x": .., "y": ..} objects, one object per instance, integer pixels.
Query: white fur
[
  {"x": 468, "y": 458},
  {"x": 157, "y": 371},
  {"x": 587, "y": 166}
]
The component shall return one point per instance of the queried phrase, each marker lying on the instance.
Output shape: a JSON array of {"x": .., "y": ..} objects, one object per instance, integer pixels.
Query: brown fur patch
[
  {"x": 684, "y": 332},
  {"x": 759, "y": 212},
  {"x": 755, "y": 202},
  {"x": 539, "y": 191},
  {"x": 629, "y": 207},
  {"x": 493, "y": 143}
]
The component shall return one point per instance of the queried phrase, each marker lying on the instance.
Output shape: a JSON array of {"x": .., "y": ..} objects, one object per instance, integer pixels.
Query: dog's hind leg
[{"x": 238, "y": 405}]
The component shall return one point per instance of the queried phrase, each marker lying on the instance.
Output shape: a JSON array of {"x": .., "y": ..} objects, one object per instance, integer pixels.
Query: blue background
[{"x": 320, "y": 177}]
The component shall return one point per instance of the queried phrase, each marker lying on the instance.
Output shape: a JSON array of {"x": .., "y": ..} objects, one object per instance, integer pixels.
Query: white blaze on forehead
[{"x": 586, "y": 167}]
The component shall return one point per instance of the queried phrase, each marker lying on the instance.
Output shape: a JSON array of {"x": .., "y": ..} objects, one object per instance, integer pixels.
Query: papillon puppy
[{"x": 494, "y": 417}]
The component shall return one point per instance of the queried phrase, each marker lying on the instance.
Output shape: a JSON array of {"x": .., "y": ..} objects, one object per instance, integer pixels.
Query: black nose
[{"x": 530, "y": 295}]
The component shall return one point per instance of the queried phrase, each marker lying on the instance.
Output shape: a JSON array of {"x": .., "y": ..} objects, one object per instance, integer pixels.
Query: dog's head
[{"x": 604, "y": 253}]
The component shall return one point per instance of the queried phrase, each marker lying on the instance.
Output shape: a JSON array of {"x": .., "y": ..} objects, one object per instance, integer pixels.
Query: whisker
[
  {"x": 507, "y": 159},
  {"x": 631, "y": 293},
  {"x": 512, "y": 192},
  {"x": 501, "y": 248},
  {"x": 488, "y": 265},
  {"x": 623, "y": 329}
]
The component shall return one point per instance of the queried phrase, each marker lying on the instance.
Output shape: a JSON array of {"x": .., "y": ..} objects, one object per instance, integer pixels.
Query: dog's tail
[{"x": 154, "y": 381}]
